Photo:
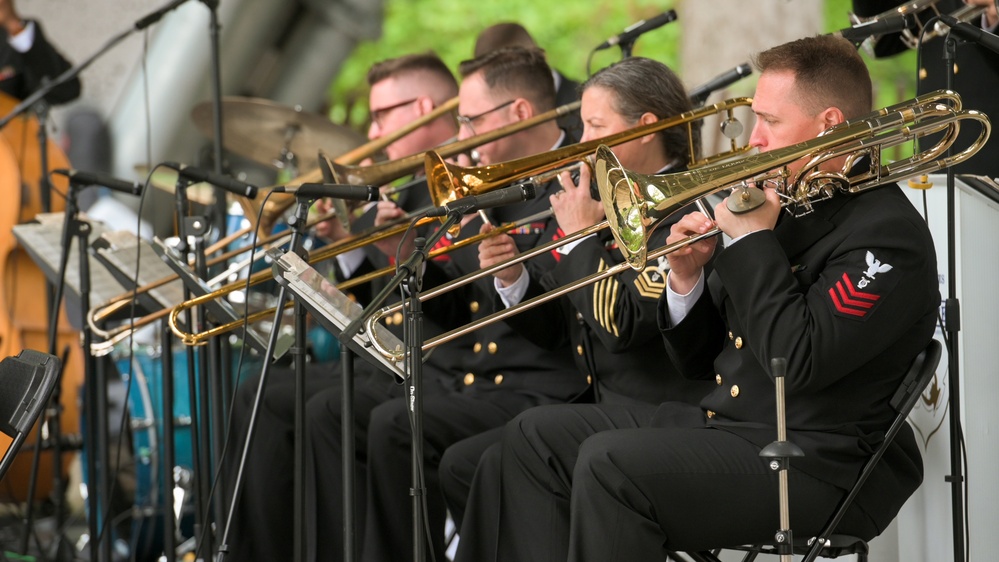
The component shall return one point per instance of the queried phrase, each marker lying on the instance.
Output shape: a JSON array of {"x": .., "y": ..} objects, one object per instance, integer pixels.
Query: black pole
[
  {"x": 349, "y": 453},
  {"x": 298, "y": 227},
  {"x": 169, "y": 451},
  {"x": 952, "y": 322},
  {"x": 409, "y": 271}
]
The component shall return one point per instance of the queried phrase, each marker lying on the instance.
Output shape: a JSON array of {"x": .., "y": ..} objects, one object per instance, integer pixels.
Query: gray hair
[{"x": 642, "y": 85}]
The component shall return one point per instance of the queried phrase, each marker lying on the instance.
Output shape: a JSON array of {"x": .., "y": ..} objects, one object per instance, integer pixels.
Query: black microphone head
[
  {"x": 529, "y": 191},
  {"x": 744, "y": 70}
]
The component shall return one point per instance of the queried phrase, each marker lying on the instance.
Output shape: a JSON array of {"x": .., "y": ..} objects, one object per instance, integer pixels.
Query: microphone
[
  {"x": 225, "y": 182},
  {"x": 701, "y": 93},
  {"x": 632, "y": 32},
  {"x": 858, "y": 33},
  {"x": 93, "y": 178},
  {"x": 336, "y": 191},
  {"x": 971, "y": 33},
  {"x": 495, "y": 198}
]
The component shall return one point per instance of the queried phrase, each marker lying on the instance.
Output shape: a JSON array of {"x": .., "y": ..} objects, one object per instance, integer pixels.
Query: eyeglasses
[
  {"x": 464, "y": 121},
  {"x": 378, "y": 115}
]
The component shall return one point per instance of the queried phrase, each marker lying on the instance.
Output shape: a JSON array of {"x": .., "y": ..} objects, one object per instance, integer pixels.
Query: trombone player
[
  {"x": 402, "y": 90},
  {"x": 611, "y": 326},
  {"x": 685, "y": 478},
  {"x": 507, "y": 372}
]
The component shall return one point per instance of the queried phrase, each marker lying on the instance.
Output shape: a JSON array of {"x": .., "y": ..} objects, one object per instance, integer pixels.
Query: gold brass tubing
[
  {"x": 555, "y": 293},
  {"x": 380, "y": 174},
  {"x": 101, "y": 312},
  {"x": 359, "y": 241},
  {"x": 504, "y": 228}
]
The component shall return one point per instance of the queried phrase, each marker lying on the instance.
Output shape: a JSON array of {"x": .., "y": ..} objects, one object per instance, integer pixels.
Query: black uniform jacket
[
  {"x": 504, "y": 359},
  {"x": 22, "y": 73},
  {"x": 848, "y": 295},
  {"x": 610, "y": 325}
]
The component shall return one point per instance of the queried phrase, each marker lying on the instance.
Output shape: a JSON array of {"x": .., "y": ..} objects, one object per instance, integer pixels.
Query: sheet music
[
  {"x": 42, "y": 239},
  {"x": 331, "y": 308},
  {"x": 117, "y": 251}
]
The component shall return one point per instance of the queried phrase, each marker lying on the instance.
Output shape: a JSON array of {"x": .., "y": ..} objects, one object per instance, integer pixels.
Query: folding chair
[
  {"x": 26, "y": 382},
  {"x": 828, "y": 544}
]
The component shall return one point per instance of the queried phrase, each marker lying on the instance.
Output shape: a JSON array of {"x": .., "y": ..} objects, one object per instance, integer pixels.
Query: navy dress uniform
[
  {"x": 506, "y": 374},
  {"x": 848, "y": 294}
]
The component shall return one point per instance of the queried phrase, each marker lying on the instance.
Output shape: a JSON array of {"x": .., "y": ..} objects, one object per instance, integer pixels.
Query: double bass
[{"x": 24, "y": 310}]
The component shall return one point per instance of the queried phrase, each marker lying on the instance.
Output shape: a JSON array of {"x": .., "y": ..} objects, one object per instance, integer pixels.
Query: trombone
[
  {"x": 377, "y": 174},
  {"x": 636, "y": 204},
  {"x": 442, "y": 180}
]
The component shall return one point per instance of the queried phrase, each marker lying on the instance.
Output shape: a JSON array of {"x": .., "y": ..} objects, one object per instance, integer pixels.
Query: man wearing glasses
[
  {"x": 508, "y": 373},
  {"x": 402, "y": 90}
]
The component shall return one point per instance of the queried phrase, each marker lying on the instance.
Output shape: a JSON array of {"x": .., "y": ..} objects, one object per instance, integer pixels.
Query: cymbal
[
  {"x": 166, "y": 179},
  {"x": 261, "y": 130}
]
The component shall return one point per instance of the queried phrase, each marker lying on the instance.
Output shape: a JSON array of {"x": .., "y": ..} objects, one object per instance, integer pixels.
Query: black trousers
[
  {"x": 603, "y": 482},
  {"x": 262, "y": 524},
  {"x": 447, "y": 420},
  {"x": 470, "y": 480}
]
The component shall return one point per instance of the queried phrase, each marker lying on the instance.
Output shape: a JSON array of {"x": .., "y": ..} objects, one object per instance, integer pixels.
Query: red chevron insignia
[
  {"x": 849, "y": 301},
  {"x": 856, "y": 293}
]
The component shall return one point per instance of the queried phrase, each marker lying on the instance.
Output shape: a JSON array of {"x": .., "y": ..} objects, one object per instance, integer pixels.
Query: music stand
[
  {"x": 220, "y": 310},
  {"x": 119, "y": 251},
  {"x": 333, "y": 309}
]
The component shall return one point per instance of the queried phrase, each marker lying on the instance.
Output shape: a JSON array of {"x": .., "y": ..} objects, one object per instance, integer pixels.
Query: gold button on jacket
[
  {"x": 734, "y": 391},
  {"x": 469, "y": 379}
]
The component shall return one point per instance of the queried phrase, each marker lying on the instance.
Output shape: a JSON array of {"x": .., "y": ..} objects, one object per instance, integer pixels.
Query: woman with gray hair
[{"x": 610, "y": 326}]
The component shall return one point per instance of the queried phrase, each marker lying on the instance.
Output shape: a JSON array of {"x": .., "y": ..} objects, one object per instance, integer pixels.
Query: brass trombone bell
[{"x": 635, "y": 204}]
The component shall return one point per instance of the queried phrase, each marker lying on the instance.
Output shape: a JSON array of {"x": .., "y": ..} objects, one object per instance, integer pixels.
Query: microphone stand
[
  {"x": 410, "y": 271},
  {"x": 780, "y": 452},
  {"x": 219, "y": 209},
  {"x": 626, "y": 47},
  {"x": 298, "y": 226},
  {"x": 95, "y": 391},
  {"x": 195, "y": 227},
  {"x": 952, "y": 325}
]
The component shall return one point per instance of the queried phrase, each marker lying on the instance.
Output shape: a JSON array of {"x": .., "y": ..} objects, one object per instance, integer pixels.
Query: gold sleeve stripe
[{"x": 604, "y": 300}]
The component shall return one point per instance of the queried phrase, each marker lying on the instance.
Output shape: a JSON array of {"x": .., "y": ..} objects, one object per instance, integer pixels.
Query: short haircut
[
  {"x": 500, "y": 35},
  {"x": 828, "y": 72},
  {"x": 518, "y": 72},
  {"x": 640, "y": 85},
  {"x": 428, "y": 65}
]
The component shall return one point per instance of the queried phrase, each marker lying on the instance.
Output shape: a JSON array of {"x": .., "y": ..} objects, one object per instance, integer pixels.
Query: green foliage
[{"x": 566, "y": 30}]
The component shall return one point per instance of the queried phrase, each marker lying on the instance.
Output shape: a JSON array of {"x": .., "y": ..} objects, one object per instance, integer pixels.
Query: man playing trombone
[
  {"x": 402, "y": 90},
  {"x": 611, "y": 326},
  {"x": 507, "y": 372},
  {"x": 643, "y": 481}
]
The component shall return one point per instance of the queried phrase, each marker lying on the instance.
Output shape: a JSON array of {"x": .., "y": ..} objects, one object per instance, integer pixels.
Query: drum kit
[{"x": 285, "y": 140}]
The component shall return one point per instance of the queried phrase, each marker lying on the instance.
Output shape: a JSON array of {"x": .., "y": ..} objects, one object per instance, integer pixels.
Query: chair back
[
  {"x": 26, "y": 383},
  {"x": 920, "y": 373}
]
